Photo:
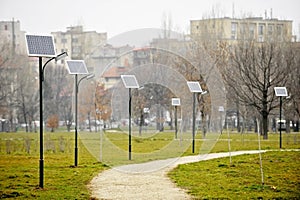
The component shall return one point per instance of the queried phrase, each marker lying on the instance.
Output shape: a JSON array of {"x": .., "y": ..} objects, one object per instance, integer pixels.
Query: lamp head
[
  {"x": 90, "y": 76},
  {"x": 61, "y": 56}
]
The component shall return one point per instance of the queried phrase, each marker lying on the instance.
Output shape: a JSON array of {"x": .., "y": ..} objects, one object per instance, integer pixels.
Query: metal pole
[
  {"x": 129, "y": 147},
  {"x": 194, "y": 121},
  {"x": 101, "y": 141},
  {"x": 280, "y": 112},
  {"x": 76, "y": 134},
  {"x": 176, "y": 127},
  {"x": 41, "y": 125}
]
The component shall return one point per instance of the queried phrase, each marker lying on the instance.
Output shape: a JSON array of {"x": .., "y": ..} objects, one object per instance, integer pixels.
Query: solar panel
[
  {"x": 280, "y": 91},
  {"x": 129, "y": 81},
  {"x": 40, "y": 46},
  {"x": 175, "y": 101},
  {"x": 77, "y": 67},
  {"x": 194, "y": 86}
]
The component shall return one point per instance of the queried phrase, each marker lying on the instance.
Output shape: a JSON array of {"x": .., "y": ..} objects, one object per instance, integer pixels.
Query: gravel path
[{"x": 147, "y": 180}]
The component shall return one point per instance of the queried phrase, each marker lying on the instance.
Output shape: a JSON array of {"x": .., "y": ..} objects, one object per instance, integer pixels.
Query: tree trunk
[
  {"x": 265, "y": 125},
  {"x": 141, "y": 122}
]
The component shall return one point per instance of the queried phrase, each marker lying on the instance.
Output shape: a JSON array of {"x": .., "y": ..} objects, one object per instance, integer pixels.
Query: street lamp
[
  {"x": 280, "y": 92},
  {"x": 42, "y": 46},
  {"x": 194, "y": 87},
  {"x": 176, "y": 103},
  {"x": 129, "y": 82},
  {"x": 221, "y": 110},
  {"x": 77, "y": 67}
]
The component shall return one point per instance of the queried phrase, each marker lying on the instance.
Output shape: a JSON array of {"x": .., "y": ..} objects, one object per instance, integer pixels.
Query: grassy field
[
  {"x": 217, "y": 179},
  {"x": 19, "y": 169},
  {"x": 19, "y": 158}
]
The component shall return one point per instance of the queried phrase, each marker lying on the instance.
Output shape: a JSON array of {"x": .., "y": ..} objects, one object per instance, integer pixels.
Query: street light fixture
[
  {"x": 42, "y": 46},
  {"x": 194, "y": 87},
  {"x": 280, "y": 92},
  {"x": 77, "y": 67},
  {"x": 129, "y": 82}
]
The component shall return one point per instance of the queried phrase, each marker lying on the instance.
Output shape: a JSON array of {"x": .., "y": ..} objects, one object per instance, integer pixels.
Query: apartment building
[
  {"x": 233, "y": 29},
  {"x": 77, "y": 42},
  {"x": 12, "y": 36}
]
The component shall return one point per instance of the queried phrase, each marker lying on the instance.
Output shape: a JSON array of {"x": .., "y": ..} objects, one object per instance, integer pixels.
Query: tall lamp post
[
  {"x": 77, "y": 67},
  {"x": 280, "y": 92},
  {"x": 129, "y": 82},
  {"x": 42, "y": 46},
  {"x": 194, "y": 87}
]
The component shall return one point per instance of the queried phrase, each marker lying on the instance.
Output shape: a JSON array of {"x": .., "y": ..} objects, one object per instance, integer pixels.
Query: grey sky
[{"x": 118, "y": 16}]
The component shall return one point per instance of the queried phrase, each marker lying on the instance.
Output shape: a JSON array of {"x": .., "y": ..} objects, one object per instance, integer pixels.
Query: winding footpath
[{"x": 147, "y": 180}]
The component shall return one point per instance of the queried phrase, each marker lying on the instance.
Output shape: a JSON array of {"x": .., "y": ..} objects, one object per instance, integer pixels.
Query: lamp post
[
  {"x": 194, "y": 88},
  {"x": 42, "y": 46},
  {"x": 176, "y": 103},
  {"x": 129, "y": 82},
  {"x": 41, "y": 74},
  {"x": 76, "y": 67},
  {"x": 221, "y": 110},
  {"x": 280, "y": 92}
]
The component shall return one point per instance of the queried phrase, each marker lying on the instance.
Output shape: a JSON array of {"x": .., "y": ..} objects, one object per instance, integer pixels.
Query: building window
[
  {"x": 63, "y": 40},
  {"x": 243, "y": 29},
  {"x": 234, "y": 30},
  {"x": 5, "y": 27},
  {"x": 75, "y": 40},
  {"x": 252, "y": 30},
  {"x": 261, "y": 28},
  {"x": 279, "y": 29},
  {"x": 270, "y": 29}
]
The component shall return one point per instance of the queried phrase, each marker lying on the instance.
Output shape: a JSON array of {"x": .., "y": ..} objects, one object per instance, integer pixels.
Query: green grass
[
  {"x": 217, "y": 179},
  {"x": 19, "y": 158},
  {"x": 19, "y": 170}
]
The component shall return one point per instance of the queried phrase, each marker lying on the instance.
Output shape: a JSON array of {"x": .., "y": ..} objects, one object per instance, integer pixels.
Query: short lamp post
[{"x": 280, "y": 92}]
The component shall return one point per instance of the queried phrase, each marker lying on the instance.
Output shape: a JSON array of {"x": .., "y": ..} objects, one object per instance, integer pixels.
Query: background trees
[{"x": 253, "y": 72}]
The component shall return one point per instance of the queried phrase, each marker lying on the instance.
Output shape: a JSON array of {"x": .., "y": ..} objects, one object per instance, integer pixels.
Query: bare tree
[
  {"x": 292, "y": 107},
  {"x": 254, "y": 70},
  {"x": 27, "y": 96},
  {"x": 56, "y": 84}
]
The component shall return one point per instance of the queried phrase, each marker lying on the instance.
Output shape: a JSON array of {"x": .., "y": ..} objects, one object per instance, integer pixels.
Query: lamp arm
[{"x": 42, "y": 72}]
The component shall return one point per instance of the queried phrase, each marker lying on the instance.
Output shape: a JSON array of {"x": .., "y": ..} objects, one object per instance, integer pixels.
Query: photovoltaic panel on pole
[
  {"x": 77, "y": 67},
  {"x": 175, "y": 101},
  {"x": 280, "y": 91},
  {"x": 40, "y": 46},
  {"x": 194, "y": 86},
  {"x": 129, "y": 81}
]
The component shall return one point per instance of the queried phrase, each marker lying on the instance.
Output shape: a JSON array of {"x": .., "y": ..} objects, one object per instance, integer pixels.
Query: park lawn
[
  {"x": 217, "y": 179},
  {"x": 20, "y": 171},
  {"x": 19, "y": 159}
]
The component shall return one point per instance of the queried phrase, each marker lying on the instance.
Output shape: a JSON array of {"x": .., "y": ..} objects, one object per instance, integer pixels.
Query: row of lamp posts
[{"x": 43, "y": 46}]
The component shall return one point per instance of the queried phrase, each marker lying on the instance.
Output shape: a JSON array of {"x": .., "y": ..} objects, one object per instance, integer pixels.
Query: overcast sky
[{"x": 118, "y": 16}]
